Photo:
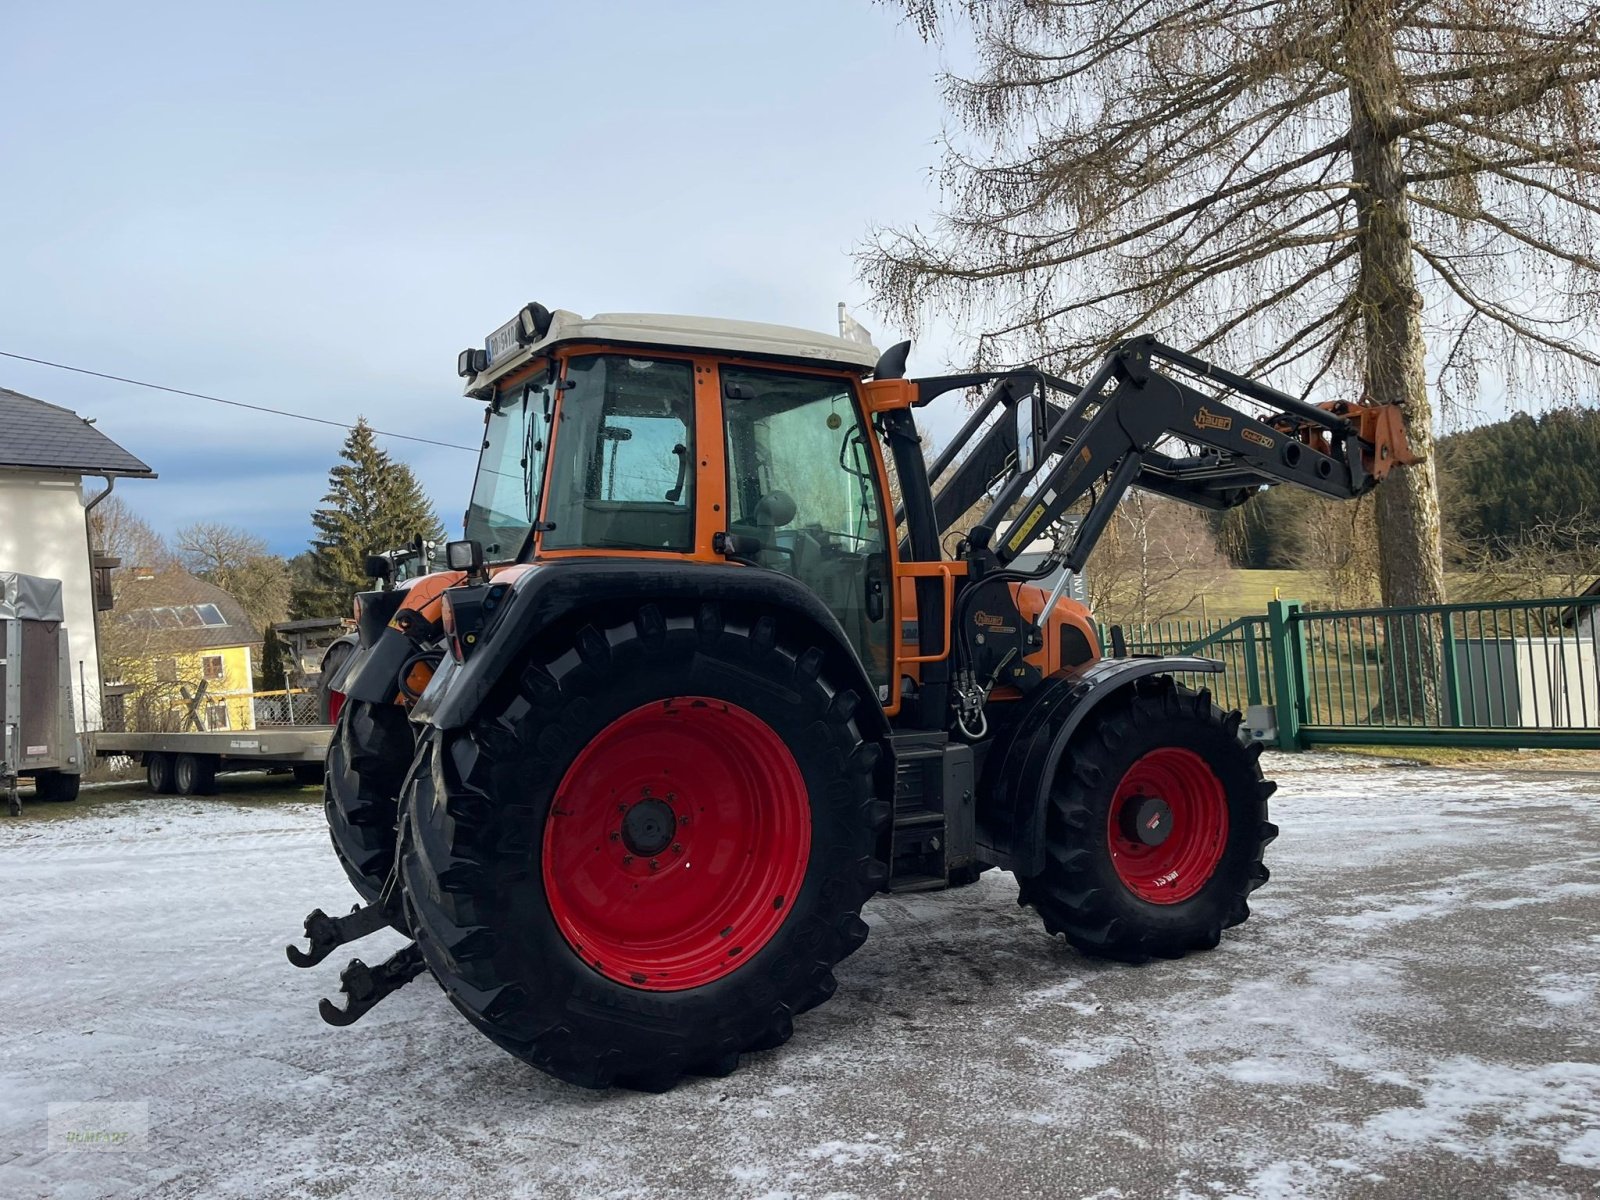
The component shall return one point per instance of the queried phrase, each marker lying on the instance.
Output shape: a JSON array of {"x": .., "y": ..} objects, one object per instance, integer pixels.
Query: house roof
[
  {"x": 46, "y": 437},
  {"x": 181, "y": 612}
]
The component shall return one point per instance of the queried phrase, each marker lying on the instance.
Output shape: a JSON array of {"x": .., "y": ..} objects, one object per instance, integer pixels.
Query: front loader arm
[{"x": 1105, "y": 441}]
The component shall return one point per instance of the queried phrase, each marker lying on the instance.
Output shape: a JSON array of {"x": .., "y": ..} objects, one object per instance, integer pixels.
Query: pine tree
[{"x": 373, "y": 503}]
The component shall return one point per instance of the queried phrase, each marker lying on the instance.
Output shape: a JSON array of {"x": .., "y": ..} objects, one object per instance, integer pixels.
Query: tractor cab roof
[{"x": 536, "y": 330}]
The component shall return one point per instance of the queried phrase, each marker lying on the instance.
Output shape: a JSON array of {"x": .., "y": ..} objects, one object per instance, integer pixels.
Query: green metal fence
[
  {"x": 1515, "y": 673},
  {"x": 1241, "y": 647}
]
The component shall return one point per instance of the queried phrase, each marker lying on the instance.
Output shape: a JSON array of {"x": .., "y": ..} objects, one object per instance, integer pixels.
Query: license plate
[{"x": 502, "y": 341}]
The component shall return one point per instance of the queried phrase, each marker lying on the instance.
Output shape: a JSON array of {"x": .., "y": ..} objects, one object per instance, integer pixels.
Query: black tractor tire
[
  {"x": 477, "y": 808},
  {"x": 56, "y": 787},
  {"x": 158, "y": 773},
  {"x": 1083, "y": 894},
  {"x": 368, "y": 757},
  {"x": 194, "y": 774}
]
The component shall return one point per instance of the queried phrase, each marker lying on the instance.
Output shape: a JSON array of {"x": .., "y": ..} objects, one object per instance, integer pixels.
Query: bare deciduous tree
[
  {"x": 1154, "y": 562},
  {"x": 1554, "y": 558},
  {"x": 240, "y": 564},
  {"x": 1351, "y": 195}
]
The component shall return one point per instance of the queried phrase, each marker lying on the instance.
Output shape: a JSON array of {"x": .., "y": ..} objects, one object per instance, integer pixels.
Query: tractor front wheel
[
  {"x": 1155, "y": 830},
  {"x": 368, "y": 756},
  {"x": 645, "y": 856}
]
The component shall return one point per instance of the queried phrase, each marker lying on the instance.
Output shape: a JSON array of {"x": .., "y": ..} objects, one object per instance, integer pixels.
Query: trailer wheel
[
  {"x": 645, "y": 858},
  {"x": 368, "y": 756},
  {"x": 1155, "y": 828},
  {"x": 158, "y": 773},
  {"x": 194, "y": 774},
  {"x": 56, "y": 787}
]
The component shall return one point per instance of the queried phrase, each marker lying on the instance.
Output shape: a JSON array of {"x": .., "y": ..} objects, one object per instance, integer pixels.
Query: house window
[
  {"x": 213, "y": 666},
  {"x": 216, "y": 716}
]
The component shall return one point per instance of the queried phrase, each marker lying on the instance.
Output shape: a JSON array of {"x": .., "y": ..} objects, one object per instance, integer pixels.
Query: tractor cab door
[{"x": 802, "y": 482}]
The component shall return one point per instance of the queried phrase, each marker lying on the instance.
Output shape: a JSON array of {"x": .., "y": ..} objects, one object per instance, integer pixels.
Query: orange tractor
[{"x": 628, "y": 792}]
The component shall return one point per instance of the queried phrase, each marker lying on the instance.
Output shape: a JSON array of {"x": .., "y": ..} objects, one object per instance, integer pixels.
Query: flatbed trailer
[{"x": 189, "y": 763}]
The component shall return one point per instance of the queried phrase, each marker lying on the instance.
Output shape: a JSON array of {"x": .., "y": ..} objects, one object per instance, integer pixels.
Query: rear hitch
[
  {"x": 326, "y": 934},
  {"x": 365, "y": 986}
]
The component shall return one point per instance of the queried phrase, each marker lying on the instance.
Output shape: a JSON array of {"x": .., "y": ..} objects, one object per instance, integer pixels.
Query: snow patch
[{"x": 1519, "y": 1106}]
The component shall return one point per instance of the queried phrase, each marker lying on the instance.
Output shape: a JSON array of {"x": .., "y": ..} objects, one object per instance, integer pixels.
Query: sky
[{"x": 315, "y": 206}]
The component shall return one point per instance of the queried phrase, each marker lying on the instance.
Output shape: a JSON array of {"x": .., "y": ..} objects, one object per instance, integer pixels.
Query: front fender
[
  {"x": 547, "y": 593},
  {"x": 1019, "y": 771}
]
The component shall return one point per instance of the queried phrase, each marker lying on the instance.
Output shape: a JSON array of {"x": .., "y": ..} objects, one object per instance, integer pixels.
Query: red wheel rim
[
  {"x": 1172, "y": 795},
  {"x": 676, "y": 843}
]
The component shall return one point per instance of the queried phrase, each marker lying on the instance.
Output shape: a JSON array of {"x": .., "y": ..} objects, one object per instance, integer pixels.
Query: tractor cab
[{"x": 685, "y": 439}]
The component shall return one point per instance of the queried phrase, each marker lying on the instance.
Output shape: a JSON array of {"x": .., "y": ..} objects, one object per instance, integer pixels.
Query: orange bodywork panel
[
  {"x": 1056, "y": 654},
  {"x": 422, "y": 595},
  {"x": 882, "y": 395}
]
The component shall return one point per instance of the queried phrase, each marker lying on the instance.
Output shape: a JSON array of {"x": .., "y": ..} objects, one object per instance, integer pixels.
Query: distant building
[
  {"x": 171, "y": 633},
  {"x": 45, "y": 452}
]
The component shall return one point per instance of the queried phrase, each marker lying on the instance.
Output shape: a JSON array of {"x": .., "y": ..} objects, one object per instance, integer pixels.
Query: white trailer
[{"x": 188, "y": 764}]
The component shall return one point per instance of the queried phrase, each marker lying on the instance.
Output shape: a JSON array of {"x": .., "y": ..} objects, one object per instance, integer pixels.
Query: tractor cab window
[
  {"x": 624, "y": 450},
  {"x": 510, "y": 471},
  {"x": 801, "y": 481}
]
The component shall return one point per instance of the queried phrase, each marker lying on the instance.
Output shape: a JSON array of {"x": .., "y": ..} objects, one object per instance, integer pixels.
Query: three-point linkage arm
[{"x": 1107, "y": 436}]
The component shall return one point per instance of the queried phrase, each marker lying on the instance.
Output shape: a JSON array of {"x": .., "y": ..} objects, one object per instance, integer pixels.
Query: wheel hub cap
[
  {"x": 648, "y": 827},
  {"x": 1147, "y": 820}
]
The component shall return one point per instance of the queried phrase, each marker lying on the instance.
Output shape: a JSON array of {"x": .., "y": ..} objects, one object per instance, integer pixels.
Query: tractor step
[
  {"x": 931, "y": 834},
  {"x": 365, "y": 986},
  {"x": 326, "y": 934}
]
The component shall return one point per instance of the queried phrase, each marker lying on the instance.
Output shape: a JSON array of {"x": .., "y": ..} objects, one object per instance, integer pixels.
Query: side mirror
[
  {"x": 378, "y": 566},
  {"x": 463, "y": 556}
]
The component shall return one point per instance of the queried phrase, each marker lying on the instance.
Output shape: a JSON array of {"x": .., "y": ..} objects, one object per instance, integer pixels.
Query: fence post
[
  {"x": 1452, "y": 675},
  {"x": 1287, "y": 669},
  {"x": 1252, "y": 672}
]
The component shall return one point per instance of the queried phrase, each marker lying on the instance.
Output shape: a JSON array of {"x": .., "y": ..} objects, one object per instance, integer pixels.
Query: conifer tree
[{"x": 373, "y": 504}]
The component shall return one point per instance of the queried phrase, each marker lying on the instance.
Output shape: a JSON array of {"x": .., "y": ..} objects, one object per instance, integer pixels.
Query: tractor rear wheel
[
  {"x": 1155, "y": 829},
  {"x": 368, "y": 756},
  {"x": 645, "y": 855}
]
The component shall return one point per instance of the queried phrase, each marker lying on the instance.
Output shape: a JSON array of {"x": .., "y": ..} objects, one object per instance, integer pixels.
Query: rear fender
[
  {"x": 549, "y": 594},
  {"x": 1019, "y": 770}
]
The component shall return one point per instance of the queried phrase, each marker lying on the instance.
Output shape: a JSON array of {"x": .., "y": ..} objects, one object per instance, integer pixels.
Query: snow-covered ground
[{"x": 1410, "y": 1012}]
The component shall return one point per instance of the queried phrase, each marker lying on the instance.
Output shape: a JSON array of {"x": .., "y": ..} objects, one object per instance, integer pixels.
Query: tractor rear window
[{"x": 622, "y": 477}]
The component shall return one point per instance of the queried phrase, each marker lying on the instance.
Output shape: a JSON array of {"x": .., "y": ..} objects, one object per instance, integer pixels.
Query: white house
[{"x": 45, "y": 454}]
